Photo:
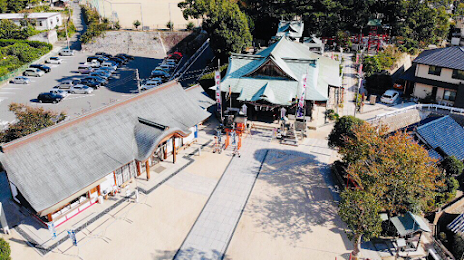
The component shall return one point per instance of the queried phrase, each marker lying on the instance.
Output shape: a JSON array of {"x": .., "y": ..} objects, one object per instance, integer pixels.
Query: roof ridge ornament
[{"x": 153, "y": 124}]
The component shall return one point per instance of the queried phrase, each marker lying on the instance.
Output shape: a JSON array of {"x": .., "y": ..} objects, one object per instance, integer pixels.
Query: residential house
[
  {"x": 437, "y": 75},
  {"x": 62, "y": 170},
  {"x": 42, "y": 21}
]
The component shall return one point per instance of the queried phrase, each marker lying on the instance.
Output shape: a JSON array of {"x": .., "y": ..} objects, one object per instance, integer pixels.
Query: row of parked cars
[
  {"x": 162, "y": 72},
  {"x": 35, "y": 70},
  {"x": 98, "y": 70}
]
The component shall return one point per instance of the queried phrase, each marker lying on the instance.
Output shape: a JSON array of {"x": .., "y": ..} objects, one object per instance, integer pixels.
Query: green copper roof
[{"x": 294, "y": 60}]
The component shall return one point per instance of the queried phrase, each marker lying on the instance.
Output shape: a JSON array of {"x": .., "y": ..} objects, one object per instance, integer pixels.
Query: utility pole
[
  {"x": 66, "y": 30},
  {"x": 137, "y": 79}
]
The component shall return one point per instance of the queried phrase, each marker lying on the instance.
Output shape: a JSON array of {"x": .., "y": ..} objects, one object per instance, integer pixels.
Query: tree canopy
[
  {"x": 343, "y": 128},
  {"x": 227, "y": 26},
  {"x": 29, "y": 120}
]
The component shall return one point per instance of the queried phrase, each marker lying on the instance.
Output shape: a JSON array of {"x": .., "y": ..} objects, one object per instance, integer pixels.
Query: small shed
[{"x": 410, "y": 227}]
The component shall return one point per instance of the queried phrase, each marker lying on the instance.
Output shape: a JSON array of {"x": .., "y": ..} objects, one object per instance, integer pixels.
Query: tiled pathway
[{"x": 211, "y": 233}]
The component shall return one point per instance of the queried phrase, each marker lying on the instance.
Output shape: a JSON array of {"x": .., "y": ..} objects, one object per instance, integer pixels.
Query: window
[
  {"x": 40, "y": 23},
  {"x": 449, "y": 95},
  {"x": 458, "y": 74},
  {"x": 434, "y": 70}
]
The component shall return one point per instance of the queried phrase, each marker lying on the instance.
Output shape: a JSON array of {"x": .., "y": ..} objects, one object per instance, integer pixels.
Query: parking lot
[{"x": 122, "y": 86}]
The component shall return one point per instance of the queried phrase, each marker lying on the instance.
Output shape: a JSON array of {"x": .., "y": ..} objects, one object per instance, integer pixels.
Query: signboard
[
  {"x": 72, "y": 236},
  {"x": 301, "y": 101},
  {"x": 51, "y": 228},
  {"x": 217, "y": 79}
]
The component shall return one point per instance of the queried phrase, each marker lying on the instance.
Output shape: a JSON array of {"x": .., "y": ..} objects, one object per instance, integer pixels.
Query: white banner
[
  {"x": 217, "y": 79},
  {"x": 301, "y": 102}
]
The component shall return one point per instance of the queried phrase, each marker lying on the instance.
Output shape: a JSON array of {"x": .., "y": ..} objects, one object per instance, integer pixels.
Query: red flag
[
  {"x": 357, "y": 58},
  {"x": 360, "y": 69}
]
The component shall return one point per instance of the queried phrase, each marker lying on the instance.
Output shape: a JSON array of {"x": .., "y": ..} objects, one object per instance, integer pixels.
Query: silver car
[
  {"x": 60, "y": 92},
  {"x": 54, "y": 60},
  {"x": 21, "y": 80},
  {"x": 80, "y": 89},
  {"x": 66, "y": 52},
  {"x": 33, "y": 72}
]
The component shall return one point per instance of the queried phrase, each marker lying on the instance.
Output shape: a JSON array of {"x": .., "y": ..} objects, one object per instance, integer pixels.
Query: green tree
[
  {"x": 343, "y": 129},
  {"x": 226, "y": 25},
  {"x": 452, "y": 166},
  {"x": 29, "y": 120},
  {"x": 5, "y": 250},
  {"x": 396, "y": 169},
  {"x": 136, "y": 24},
  {"x": 190, "y": 26},
  {"x": 3, "y": 6},
  {"x": 360, "y": 211}
]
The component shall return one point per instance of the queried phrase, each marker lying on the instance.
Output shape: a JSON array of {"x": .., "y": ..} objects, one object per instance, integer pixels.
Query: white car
[
  {"x": 54, "y": 60},
  {"x": 80, "y": 89},
  {"x": 150, "y": 84},
  {"x": 62, "y": 93},
  {"x": 66, "y": 52},
  {"x": 21, "y": 80},
  {"x": 390, "y": 96},
  {"x": 33, "y": 72}
]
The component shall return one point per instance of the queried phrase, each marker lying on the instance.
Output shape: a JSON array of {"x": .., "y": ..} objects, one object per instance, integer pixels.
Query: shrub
[
  {"x": 343, "y": 128},
  {"x": 170, "y": 25},
  {"x": 452, "y": 166},
  {"x": 190, "y": 26},
  {"x": 5, "y": 250},
  {"x": 136, "y": 24}
]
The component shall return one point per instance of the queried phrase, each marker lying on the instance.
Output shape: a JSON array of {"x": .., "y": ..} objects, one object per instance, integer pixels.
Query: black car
[
  {"x": 122, "y": 57},
  {"x": 104, "y": 54},
  {"x": 49, "y": 97},
  {"x": 42, "y": 67},
  {"x": 118, "y": 61},
  {"x": 100, "y": 80},
  {"x": 129, "y": 57},
  {"x": 91, "y": 83}
]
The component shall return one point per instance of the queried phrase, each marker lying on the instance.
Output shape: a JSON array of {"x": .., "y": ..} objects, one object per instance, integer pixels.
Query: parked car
[
  {"x": 150, "y": 84},
  {"x": 66, "y": 84},
  {"x": 91, "y": 83},
  {"x": 49, "y": 97},
  {"x": 126, "y": 59},
  {"x": 119, "y": 60},
  {"x": 99, "y": 74},
  {"x": 42, "y": 67},
  {"x": 60, "y": 92},
  {"x": 85, "y": 69},
  {"x": 100, "y": 80},
  {"x": 33, "y": 72},
  {"x": 80, "y": 89},
  {"x": 66, "y": 52},
  {"x": 103, "y": 54},
  {"x": 109, "y": 69},
  {"x": 109, "y": 65},
  {"x": 54, "y": 60},
  {"x": 160, "y": 73},
  {"x": 130, "y": 57},
  {"x": 105, "y": 73},
  {"x": 390, "y": 96},
  {"x": 21, "y": 80}
]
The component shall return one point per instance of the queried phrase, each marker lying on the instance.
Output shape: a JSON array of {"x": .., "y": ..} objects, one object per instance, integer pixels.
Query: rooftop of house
[
  {"x": 29, "y": 15},
  {"x": 293, "y": 29},
  {"x": 449, "y": 57},
  {"x": 55, "y": 163}
]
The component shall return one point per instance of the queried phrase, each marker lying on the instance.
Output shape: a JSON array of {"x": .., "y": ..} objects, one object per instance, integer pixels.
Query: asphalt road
[{"x": 121, "y": 87}]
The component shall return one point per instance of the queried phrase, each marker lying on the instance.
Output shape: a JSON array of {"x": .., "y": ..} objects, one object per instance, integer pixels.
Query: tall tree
[
  {"x": 226, "y": 24},
  {"x": 360, "y": 211},
  {"x": 29, "y": 120},
  {"x": 393, "y": 167}
]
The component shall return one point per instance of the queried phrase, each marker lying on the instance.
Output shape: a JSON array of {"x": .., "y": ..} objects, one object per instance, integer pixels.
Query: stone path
[
  {"x": 213, "y": 230},
  {"x": 193, "y": 183}
]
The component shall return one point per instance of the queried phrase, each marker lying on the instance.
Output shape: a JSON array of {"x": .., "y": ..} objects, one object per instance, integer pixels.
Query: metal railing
[{"x": 429, "y": 107}]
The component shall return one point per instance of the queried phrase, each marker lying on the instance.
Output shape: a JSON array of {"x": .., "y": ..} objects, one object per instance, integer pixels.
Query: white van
[
  {"x": 85, "y": 69},
  {"x": 66, "y": 52}
]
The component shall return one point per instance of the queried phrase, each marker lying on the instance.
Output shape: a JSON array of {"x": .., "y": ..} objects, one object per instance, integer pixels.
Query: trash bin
[{"x": 372, "y": 99}]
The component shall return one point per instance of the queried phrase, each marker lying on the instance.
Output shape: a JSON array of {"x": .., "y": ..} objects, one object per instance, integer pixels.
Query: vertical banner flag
[
  {"x": 357, "y": 58},
  {"x": 301, "y": 101},
  {"x": 51, "y": 228},
  {"x": 72, "y": 236},
  {"x": 360, "y": 69},
  {"x": 217, "y": 79}
]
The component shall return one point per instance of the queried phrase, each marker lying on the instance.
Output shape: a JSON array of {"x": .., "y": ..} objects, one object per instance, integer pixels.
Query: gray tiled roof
[
  {"x": 446, "y": 134},
  {"x": 53, "y": 164},
  {"x": 449, "y": 57}
]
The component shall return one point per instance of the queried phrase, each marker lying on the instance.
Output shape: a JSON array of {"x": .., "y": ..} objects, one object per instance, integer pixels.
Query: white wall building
[{"x": 43, "y": 21}]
